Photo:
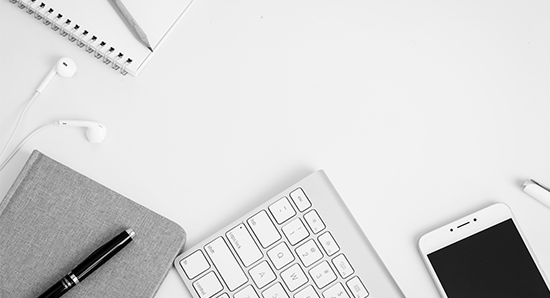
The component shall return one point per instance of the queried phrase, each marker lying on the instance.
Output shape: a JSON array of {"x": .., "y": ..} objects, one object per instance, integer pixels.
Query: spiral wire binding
[{"x": 81, "y": 38}]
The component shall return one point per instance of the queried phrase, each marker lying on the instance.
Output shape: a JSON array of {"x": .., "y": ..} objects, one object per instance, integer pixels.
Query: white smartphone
[{"x": 483, "y": 255}]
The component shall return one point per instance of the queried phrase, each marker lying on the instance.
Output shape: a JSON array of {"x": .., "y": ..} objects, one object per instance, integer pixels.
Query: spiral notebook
[
  {"x": 97, "y": 28},
  {"x": 53, "y": 217}
]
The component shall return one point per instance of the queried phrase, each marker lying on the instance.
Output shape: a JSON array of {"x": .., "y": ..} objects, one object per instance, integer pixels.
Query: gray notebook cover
[{"x": 53, "y": 217}]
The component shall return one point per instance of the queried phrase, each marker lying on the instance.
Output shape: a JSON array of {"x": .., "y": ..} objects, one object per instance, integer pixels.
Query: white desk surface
[{"x": 419, "y": 111}]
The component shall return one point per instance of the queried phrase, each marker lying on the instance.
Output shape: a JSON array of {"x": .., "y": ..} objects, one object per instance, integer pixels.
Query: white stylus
[{"x": 537, "y": 191}]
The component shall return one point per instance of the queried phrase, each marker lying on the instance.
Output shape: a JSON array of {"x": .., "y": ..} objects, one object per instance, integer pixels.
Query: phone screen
[{"x": 492, "y": 263}]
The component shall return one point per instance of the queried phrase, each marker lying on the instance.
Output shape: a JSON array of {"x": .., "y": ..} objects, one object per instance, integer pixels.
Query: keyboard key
[
  {"x": 295, "y": 231},
  {"x": 322, "y": 274},
  {"x": 307, "y": 292},
  {"x": 275, "y": 291},
  {"x": 329, "y": 245},
  {"x": 244, "y": 245},
  {"x": 263, "y": 228},
  {"x": 282, "y": 210},
  {"x": 208, "y": 285},
  {"x": 280, "y": 255},
  {"x": 309, "y": 253},
  {"x": 342, "y": 266},
  {"x": 357, "y": 288},
  {"x": 262, "y": 274},
  {"x": 300, "y": 199},
  {"x": 314, "y": 221},
  {"x": 194, "y": 264},
  {"x": 226, "y": 263},
  {"x": 246, "y": 292},
  {"x": 336, "y": 291},
  {"x": 294, "y": 277}
]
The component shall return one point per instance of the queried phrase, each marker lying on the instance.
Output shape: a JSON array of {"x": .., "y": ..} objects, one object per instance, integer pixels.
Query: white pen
[{"x": 537, "y": 191}]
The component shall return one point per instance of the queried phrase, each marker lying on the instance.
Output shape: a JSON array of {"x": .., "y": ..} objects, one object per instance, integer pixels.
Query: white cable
[
  {"x": 36, "y": 94},
  {"x": 22, "y": 143}
]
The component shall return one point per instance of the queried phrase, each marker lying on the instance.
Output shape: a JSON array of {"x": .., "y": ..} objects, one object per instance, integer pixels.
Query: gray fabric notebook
[{"x": 53, "y": 217}]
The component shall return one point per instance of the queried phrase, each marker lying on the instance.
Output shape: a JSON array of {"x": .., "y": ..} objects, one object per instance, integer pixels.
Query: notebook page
[{"x": 99, "y": 18}]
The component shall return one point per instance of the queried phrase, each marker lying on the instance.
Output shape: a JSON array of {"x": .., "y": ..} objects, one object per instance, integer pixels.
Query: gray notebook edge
[
  {"x": 38, "y": 159},
  {"x": 7, "y": 199},
  {"x": 35, "y": 155}
]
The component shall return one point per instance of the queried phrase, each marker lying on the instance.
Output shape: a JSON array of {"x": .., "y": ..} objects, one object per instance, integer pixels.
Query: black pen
[{"x": 89, "y": 265}]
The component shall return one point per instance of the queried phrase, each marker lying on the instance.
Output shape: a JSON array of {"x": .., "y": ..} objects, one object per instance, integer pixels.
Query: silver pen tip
[{"x": 131, "y": 233}]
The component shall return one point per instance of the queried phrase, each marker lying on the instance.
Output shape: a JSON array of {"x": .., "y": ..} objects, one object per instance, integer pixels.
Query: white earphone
[
  {"x": 65, "y": 67},
  {"x": 95, "y": 132}
]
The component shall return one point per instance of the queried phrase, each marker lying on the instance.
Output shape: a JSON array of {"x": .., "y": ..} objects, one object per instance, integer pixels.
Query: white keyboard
[{"x": 303, "y": 243}]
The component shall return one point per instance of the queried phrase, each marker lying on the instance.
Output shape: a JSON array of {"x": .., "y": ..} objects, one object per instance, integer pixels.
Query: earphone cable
[
  {"x": 36, "y": 94},
  {"x": 23, "y": 143}
]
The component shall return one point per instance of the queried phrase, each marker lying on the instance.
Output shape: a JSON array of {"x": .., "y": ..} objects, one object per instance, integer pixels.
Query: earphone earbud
[
  {"x": 64, "y": 67},
  {"x": 95, "y": 132}
]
